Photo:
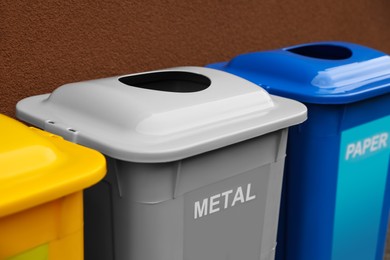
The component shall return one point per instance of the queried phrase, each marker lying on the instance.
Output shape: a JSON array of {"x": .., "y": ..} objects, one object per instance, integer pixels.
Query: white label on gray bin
[{"x": 223, "y": 200}]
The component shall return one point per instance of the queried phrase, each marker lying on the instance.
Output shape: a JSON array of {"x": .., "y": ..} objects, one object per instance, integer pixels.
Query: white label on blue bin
[
  {"x": 367, "y": 145},
  {"x": 361, "y": 185},
  {"x": 223, "y": 200}
]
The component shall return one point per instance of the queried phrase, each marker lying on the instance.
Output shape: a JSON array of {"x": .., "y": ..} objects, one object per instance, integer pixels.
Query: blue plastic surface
[
  {"x": 346, "y": 73},
  {"x": 332, "y": 208}
]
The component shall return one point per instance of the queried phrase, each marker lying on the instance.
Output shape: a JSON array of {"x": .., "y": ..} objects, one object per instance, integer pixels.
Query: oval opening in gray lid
[{"x": 169, "y": 81}]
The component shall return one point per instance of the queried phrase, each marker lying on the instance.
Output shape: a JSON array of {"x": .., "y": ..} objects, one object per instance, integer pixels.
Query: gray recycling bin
[{"x": 195, "y": 162}]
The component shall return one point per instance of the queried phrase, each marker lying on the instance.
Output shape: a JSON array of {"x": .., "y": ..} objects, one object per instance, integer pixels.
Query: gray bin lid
[{"x": 196, "y": 110}]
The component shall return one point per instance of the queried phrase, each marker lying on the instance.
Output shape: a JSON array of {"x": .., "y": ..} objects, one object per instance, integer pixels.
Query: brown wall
[{"x": 44, "y": 44}]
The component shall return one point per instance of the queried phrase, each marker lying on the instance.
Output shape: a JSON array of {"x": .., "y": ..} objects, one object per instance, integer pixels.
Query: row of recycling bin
[{"x": 195, "y": 159}]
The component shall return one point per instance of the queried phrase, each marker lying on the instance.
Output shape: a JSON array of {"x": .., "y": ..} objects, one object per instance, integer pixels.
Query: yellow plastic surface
[
  {"x": 36, "y": 166},
  {"x": 58, "y": 223},
  {"x": 41, "y": 203}
]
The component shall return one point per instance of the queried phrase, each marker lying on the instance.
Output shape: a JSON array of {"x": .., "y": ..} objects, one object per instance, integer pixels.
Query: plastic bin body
[
  {"x": 336, "y": 189},
  {"x": 41, "y": 201},
  {"x": 345, "y": 216},
  {"x": 189, "y": 177},
  {"x": 53, "y": 230},
  {"x": 193, "y": 208}
]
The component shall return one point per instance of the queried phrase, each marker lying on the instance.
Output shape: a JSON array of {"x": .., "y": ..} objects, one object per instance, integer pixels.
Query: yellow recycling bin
[{"x": 41, "y": 203}]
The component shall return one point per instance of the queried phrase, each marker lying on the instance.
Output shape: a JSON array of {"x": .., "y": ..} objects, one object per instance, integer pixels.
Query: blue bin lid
[{"x": 322, "y": 72}]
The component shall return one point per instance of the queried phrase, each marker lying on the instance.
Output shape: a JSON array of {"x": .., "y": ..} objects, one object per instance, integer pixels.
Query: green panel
[{"x": 38, "y": 253}]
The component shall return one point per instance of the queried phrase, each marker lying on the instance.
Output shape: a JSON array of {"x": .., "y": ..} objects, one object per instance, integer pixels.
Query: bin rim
[
  {"x": 143, "y": 125},
  {"x": 37, "y": 167},
  {"x": 362, "y": 75}
]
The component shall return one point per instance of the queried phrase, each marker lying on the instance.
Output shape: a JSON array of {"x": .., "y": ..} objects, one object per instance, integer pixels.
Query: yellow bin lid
[{"x": 37, "y": 167}]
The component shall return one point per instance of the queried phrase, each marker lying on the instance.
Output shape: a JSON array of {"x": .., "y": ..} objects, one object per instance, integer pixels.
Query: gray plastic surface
[
  {"x": 152, "y": 210},
  {"x": 192, "y": 175},
  {"x": 143, "y": 125}
]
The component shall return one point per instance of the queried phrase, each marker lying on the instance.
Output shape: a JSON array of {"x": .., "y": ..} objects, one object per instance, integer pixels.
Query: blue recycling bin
[{"x": 335, "y": 203}]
